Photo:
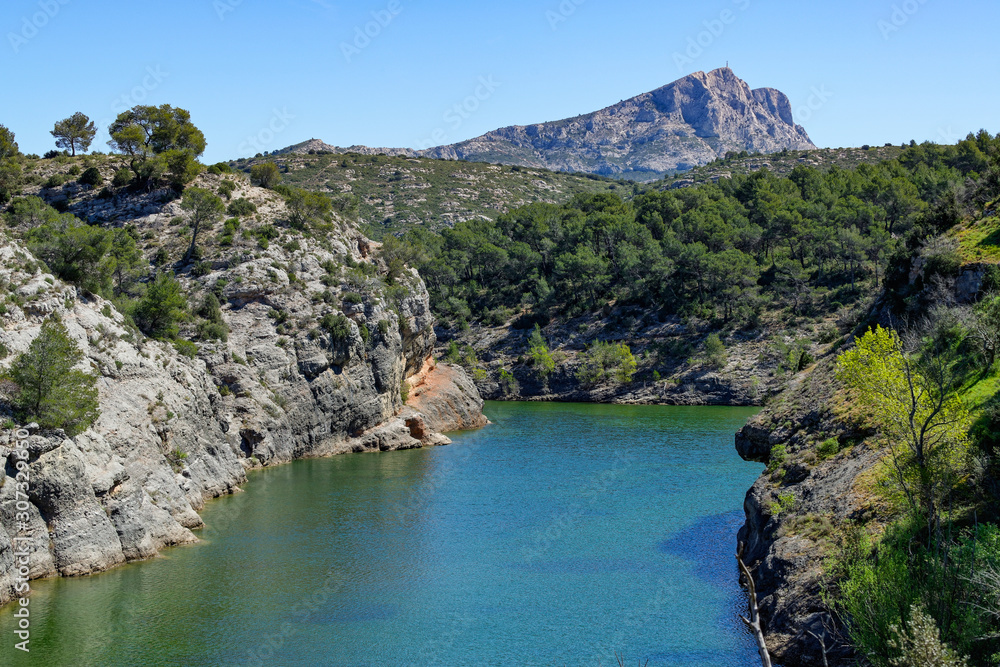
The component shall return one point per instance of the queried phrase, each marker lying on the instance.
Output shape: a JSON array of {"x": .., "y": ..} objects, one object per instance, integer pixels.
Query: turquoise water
[{"x": 561, "y": 535}]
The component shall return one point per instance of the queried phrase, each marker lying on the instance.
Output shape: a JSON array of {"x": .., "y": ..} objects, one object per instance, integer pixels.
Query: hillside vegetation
[
  {"x": 391, "y": 195},
  {"x": 750, "y": 253},
  {"x": 781, "y": 163}
]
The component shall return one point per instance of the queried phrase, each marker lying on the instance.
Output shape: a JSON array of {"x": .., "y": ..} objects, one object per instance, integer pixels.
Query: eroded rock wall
[{"x": 175, "y": 431}]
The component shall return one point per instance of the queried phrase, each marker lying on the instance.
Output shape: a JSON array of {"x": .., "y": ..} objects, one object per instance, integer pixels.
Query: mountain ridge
[{"x": 676, "y": 127}]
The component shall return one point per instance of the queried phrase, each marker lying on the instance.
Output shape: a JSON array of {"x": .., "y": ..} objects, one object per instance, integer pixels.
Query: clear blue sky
[{"x": 277, "y": 71}]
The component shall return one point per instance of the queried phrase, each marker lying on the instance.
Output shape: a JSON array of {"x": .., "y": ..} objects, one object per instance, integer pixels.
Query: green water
[{"x": 560, "y": 535}]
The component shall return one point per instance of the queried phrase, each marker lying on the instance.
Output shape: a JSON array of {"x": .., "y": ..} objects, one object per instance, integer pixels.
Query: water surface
[{"x": 561, "y": 535}]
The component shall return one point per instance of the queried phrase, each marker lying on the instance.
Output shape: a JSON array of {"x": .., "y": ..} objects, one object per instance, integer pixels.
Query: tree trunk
[
  {"x": 194, "y": 239},
  {"x": 753, "y": 623}
]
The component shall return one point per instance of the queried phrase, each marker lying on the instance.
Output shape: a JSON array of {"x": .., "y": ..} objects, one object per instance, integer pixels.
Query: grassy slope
[{"x": 979, "y": 240}]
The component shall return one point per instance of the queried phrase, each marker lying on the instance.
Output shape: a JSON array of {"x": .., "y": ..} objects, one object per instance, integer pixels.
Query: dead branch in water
[{"x": 754, "y": 621}]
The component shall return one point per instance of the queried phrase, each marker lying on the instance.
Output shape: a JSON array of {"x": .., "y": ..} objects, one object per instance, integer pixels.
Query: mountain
[{"x": 687, "y": 123}]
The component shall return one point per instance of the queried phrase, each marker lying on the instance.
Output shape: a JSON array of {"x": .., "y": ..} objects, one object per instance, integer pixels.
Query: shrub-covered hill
[
  {"x": 393, "y": 194},
  {"x": 781, "y": 163},
  {"x": 774, "y": 265}
]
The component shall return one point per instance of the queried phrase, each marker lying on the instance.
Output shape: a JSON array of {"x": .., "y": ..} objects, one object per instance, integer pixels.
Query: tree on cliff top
[
  {"x": 77, "y": 130},
  {"x": 8, "y": 147},
  {"x": 10, "y": 170},
  {"x": 50, "y": 390},
  {"x": 145, "y": 133}
]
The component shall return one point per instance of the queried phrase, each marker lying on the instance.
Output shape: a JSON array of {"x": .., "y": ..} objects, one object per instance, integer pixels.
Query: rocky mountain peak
[{"x": 687, "y": 123}]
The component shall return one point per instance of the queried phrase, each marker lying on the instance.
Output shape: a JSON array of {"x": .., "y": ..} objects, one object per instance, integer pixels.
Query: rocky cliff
[
  {"x": 687, "y": 123},
  {"x": 176, "y": 430},
  {"x": 684, "y": 124},
  {"x": 796, "y": 511}
]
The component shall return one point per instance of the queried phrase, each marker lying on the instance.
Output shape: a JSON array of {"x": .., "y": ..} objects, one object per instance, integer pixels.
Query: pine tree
[
  {"x": 77, "y": 131},
  {"x": 50, "y": 390}
]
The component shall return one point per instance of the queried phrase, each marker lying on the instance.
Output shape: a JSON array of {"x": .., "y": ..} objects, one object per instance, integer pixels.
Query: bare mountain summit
[{"x": 687, "y": 123}]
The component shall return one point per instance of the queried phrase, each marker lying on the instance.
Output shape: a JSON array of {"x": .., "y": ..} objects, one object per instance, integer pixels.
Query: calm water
[{"x": 558, "y": 536}]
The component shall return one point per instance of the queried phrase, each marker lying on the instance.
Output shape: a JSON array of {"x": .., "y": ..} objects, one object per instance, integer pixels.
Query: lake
[{"x": 563, "y": 534}]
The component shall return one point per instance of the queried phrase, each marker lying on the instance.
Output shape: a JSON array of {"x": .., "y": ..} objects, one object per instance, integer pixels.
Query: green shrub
[
  {"x": 541, "y": 358},
  {"x": 338, "y": 326},
  {"x": 605, "y": 362},
  {"x": 226, "y": 189},
  {"x": 186, "y": 348},
  {"x": 214, "y": 327},
  {"x": 715, "y": 352},
  {"x": 54, "y": 181},
  {"x": 220, "y": 168},
  {"x": 784, "y": 503},
  {"x": 779, "y": 454},
  {"x": 201, "y": 269},
  {"x": 353, "y": 298},
  {"x": 879, "y": 584},
  {"x": 241, "y": 208},
  {"x": 266, "y": 175},
  {"x": 919, "y": 643},
  {"x": 91, "y": 177},
  {"x": 828, "y": 448},
  {"x": 121, "y": 178},
  {"x": 161, "y": 308},
  {"x": 75, "y": 251},
  {"x": 306, "y": 207},
  {"x": 508, "y": 383},
  {"x": 50, "y": 390}
]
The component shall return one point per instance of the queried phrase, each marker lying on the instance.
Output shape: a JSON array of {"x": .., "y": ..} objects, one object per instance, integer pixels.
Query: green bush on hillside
[{"x": 50, "y": 389}]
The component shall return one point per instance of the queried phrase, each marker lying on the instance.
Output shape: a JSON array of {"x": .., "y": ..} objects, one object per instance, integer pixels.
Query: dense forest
[{"x": 723, "y": 252}]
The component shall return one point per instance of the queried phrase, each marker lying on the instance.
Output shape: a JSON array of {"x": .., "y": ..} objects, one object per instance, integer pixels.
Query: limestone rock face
[
  {"x": 687, "y": 123},
  {"x": 447, "y": 398},
  {"x": 175, "y": 431}
]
